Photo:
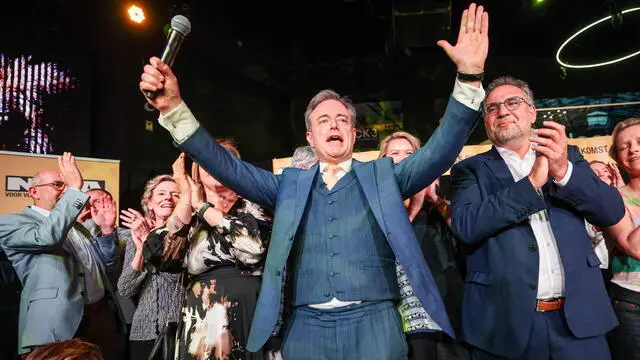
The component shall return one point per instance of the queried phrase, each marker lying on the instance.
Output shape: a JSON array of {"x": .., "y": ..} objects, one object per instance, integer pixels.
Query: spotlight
[{"x": 136, "y": 14}]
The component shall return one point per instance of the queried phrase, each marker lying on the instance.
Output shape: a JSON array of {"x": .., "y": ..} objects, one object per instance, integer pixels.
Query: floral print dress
[{"x": 224, "y": 264}]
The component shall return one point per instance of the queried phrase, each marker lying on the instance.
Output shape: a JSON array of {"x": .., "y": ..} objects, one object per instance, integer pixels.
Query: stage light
[
  {"x": 603, "y": 63},
  {"x": 136, "y": 14}
]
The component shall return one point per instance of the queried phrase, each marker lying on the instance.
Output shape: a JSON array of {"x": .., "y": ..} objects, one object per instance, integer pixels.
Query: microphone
[{"x": 180, "y": 27}]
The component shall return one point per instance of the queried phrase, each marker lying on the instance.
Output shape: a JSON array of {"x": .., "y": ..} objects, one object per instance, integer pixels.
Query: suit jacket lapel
[
  {"x": 366, "y": 178},
  {"x": 498, "y": 167}
]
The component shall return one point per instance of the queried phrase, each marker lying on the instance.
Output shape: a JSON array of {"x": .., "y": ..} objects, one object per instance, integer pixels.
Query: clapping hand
[
  {"x": 616, "y": 177},
  {"x": 472, "y": 47},
  {"x": 180, "y": 177},
  {"x": 197, "y": 190},
  {"x": 138, "y": 224},
  {"x": 69, "y": 171},
  {"x": 551, "y": 142}
]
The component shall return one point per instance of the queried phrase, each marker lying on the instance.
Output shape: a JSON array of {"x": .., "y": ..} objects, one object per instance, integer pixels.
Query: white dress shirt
[
  {"x": 551, "y": 270},
  {"x": 79, "y": 245}
]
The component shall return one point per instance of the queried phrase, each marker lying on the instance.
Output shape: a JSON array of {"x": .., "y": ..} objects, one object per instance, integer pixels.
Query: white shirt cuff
[
  {"x": 180, "y": 122},
  {"x": 468, "y": 95},
  {"x": 566, "y": 177}
]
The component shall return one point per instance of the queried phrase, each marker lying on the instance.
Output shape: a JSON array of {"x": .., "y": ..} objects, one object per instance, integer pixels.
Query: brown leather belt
[{"x": 549, "y": 304}]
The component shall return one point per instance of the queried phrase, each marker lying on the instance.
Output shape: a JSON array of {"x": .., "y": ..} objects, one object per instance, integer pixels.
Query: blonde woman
[
  {"x": 430, "y": 219},
  {"x": 154, "y": 291}
]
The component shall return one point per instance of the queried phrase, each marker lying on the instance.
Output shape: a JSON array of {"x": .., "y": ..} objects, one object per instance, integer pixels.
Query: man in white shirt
[{"x": 533, "y": 288}]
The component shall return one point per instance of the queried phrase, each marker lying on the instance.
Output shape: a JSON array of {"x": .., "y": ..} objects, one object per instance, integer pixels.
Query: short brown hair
[
  {"x": 384, "y": 144},
  {"x": 323, "y": 96},
  {"x": 73, "y": 349},
  {"x": 613, "y": 152}
]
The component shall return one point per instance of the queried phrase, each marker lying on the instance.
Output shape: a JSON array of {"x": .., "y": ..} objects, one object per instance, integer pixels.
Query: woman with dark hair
[
  {"x": 430, "y": 218},
  {"x": 154, "y": 291},
  {"x": 221, "y": 241}
]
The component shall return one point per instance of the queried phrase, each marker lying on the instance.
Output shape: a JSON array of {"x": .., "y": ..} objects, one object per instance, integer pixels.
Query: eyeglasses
[
  {"x": 57, "y": 185},
  {"x": 512, "y": 104}
]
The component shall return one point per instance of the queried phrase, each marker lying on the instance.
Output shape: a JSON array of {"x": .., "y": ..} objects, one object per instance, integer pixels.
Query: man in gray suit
[{"x": 61, "y": 267}]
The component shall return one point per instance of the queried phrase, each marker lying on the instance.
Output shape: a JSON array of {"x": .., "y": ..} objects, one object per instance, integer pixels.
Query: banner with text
[{"x": 18, "y": 169}]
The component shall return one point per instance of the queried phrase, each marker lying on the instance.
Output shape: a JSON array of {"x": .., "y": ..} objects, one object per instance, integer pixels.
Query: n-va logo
[{"x": 22, "y": 183}]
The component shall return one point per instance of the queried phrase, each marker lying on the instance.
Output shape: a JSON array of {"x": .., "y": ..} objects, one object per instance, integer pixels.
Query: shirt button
[
  {"x": 278, "y": 273},
  {"x": 532, "y": 248},
  {"x": 330, "y": 202},
  {"x": 333, "y": 254},
  {"x": 331, "y": 219},
  {"x": 326, "y": 294},
  {"x": 332, "y": 274},
  {"x": 331, "y": 236},
  {"x": 532, "y": 286}
]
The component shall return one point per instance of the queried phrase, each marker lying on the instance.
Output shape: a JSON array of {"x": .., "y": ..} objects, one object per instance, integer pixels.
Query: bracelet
[
  {"x": 203, "y": 209},
  {"x": 470, "y": 77}
]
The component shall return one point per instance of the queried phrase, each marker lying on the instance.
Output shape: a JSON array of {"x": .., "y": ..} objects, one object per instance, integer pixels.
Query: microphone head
[{"x": 181, "y": 24}]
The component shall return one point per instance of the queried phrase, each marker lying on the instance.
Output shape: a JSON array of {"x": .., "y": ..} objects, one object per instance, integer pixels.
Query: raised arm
[
  {"x": 250, "y": 182},
  {"x": 20, "y": 233},
  {"x": 439, "y": 153},
  {"x": 130, "y": 281}
]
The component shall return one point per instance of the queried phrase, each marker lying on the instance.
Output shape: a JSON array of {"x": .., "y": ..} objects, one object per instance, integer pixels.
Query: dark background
[{"x": 248, "y": 68}]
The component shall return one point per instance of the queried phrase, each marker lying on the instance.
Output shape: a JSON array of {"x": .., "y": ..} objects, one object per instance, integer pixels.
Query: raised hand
[
  {"x": 139, "y": 226},
  {"x": 157, "y": 76},
  {"x": 616, "y": 177},
  {"x": 180, "y": 177},
  {"x": 552, "y": 143},
  {"x": 198, "y": 197},
  {"x": 470, "y": 52},
  {"x": 69, "y": 171},
  {"x": 103, "y": 213}
]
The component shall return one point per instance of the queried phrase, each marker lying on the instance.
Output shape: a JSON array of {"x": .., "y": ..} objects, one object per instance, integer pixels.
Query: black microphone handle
[{"x": 174, "y": 40}]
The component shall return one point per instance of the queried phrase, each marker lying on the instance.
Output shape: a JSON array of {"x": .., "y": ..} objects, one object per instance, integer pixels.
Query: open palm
[{"x": 472, "y": 47}]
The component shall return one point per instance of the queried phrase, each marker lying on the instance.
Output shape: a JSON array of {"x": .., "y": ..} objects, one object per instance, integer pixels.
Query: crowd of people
[{"x": 533, "y": 256}]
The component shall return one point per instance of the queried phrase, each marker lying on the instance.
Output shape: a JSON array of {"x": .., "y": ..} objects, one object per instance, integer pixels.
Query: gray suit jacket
[{"x": 52, "y": 301}]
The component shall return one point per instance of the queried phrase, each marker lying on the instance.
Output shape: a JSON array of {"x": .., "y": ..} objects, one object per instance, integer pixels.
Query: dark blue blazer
[
  {"x": 384, "y": 185},
  {"x": 490, "y": 216}
]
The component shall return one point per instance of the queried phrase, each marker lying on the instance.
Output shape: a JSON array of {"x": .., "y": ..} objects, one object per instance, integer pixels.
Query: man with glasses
[
  {"x": 61, "y": 267},
  {"x": 533, "y": 288}
]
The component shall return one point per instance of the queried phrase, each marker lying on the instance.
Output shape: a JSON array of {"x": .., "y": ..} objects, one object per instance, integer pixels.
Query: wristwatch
[
  {"x": 470, "y": 77},
  {"x": 203, "y": 209}
]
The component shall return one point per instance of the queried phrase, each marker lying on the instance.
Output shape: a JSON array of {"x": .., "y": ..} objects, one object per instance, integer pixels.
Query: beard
[{"x": 508, "y": 134}]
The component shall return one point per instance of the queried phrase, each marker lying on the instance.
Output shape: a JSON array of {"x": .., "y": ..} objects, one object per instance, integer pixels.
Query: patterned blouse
[{"x": 241, "y": 239}]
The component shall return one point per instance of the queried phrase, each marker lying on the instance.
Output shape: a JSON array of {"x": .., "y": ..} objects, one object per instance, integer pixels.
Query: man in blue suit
[
  {"x": 60, "y": 266},
  {"x": 533, "y": 288},
  {"x": 341, "y": 224}
]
